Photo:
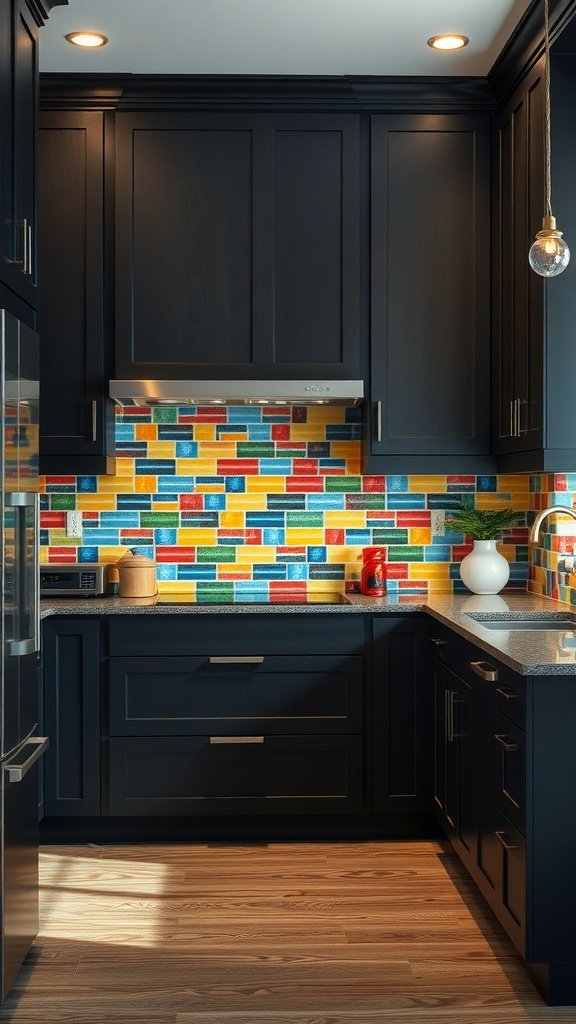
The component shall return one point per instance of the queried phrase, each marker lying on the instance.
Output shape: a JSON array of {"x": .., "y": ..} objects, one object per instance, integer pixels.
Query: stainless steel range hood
[{"x": 237, "y": 392}]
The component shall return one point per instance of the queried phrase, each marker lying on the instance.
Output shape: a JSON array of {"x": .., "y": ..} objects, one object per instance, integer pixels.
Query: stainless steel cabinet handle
[
  {"x": 485, "y": 671},
  {"x": 25, "y": 245},
  {"x": 511, "y": 417},
  {"x": 27, "y": 644},
  {"x": 437, "y": 642},
  {"x": 451, "y": 702},
  {"x": 230, "y": 740},
  {"x": 507, "y": 694},
  {"x": 501, "y": 836},
  {"x": 29, "y": 269},
  {"x": 94, "y": 419},
  {"x": 378, "y": 421},
  {"x": 503, "y": 741},
  {"x": 255, "y": 659},
  {"x": 16, "y": 772}
]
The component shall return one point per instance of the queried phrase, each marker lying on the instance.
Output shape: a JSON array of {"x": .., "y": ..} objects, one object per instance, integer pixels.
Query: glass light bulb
[{"x": 549, "y": 255}]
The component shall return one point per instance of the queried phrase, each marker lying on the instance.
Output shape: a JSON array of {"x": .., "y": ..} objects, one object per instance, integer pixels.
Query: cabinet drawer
[
  {"x": 511, "y": 907},
  {"x": 191, "y": 696},
  {"x": 236, "y": 634},
  {"x": 261, "y": 775},
  {"x": 511, "y": 744}
]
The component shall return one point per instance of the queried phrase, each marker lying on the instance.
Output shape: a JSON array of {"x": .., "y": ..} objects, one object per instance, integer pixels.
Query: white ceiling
[{"x": 279, "y": 37}]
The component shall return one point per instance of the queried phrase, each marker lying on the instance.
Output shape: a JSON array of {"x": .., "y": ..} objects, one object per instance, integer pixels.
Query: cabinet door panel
[
  {"x": 75, "y": 414},
  {"x": 162, "y": 696},
  {"x": 430, "y": 285},
  {"x": 275, "y": 775},
  {"x": 512, "y": 904}
]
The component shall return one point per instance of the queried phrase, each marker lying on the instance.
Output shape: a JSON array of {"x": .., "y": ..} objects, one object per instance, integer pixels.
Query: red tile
[
  {"x": 89, "y": 515},
  {"x": 60, "y": 479},
  {"x": 305, "y": 467},
  {"x": 334, "y": 537},
  {"x": 304, "y": 483},
  {"x": 287, "y": 586},
  {"x": 560, "y": 482},
  {"x": 192, "y": 502},
  {"x": 407, "y": 519},
  {"x": 173, "y": 553},
  {"x": 460, "y": 550},
  {"x": 290, "y": 551},
  {"x": 461, "y": 479},
  {"x": 374, "y": 483},
  {"x": 236, "y": 467},
  {"x": 52, "y": 520},
  {"x": 397, "y": 571},
  {"x": 379, "y": 514},
  {"x": 280, "y": 432},
  {"x": 298, "y": 445},
  {"x": 128, "y": 532}
]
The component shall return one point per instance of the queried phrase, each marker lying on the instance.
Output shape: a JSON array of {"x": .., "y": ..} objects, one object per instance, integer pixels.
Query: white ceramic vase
[{"x": 484, "y": 570}]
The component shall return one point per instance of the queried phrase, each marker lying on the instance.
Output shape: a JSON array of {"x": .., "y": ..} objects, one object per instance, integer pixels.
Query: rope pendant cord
[{"x": 547, "y": 120}]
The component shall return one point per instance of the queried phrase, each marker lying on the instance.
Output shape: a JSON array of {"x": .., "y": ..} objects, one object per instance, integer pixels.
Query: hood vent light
[{"x": 237, "y": 392}]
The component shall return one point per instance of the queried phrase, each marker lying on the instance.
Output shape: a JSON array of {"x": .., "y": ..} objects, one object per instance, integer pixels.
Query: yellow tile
[
  {"x": 217, "y": 450},
  {"x": 236, "y": 435},
  {"x": 43, "y": 555},
  {"x": 162, "y": 449},
  {"x": 345, "y": 449},
  {"x": 325, "y": 414},
  {"x": 116, "y": 485},
  {"x": 145, "y": 484},
  {"x": 42, "y": 485},
  {"x": 165, "y": 506},
  {"x": 196, "y": 467},
  {"x": 351, "y": 555},
  {"x": 296, "y": 537},
  {"x": 124, "y": 467},
  {"x": 214, "y": 488},
  {"x": 228, "y": 520},
  {"x": 420, "y": 535},
  {"x": 428, "y": 570},
  {"x": 345, "y": 519},
  {"x": 246, "y": 503},
  {"x": 146, "y": 432},
  {"x": 303, "y": 432},
  {"x": 325, "y": 586},
  {"x": 226, "y": 570},
  {"x": 204, "y": 431},
  {"x": 96, "y": 502},
  {"x": 196, "y": 535},
  {"x": 513, "y": 482},
  {"x": 265, "y": 484},
  {"x": 111, "y": 554},
  {"x": 353, "y": 467},
  {"x": 59, "y": 538},
  {"x": 433, "y": 484},
  {"x": 255, "y": 553},
  {"x": 508, "y": 550},
  {"x": 177, "y": 587},
  {"x": 440, "y": 586}
]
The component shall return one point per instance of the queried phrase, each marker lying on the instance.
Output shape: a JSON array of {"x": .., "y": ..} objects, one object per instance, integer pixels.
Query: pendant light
[{"x": 549, "y": 255}]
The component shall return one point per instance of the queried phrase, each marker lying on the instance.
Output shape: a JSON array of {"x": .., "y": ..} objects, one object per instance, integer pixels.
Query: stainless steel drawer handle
[
  {"x": 504, "y": 742},
  {"x": 485, "y": 670},
  {"x": 229, "y": 740},
  {"x": 378, "y": 421},
  {"x": 437, "y": 642},
  {"x": 507, "y": 694},
  {"x": 16, "y": 772},
  {"x": 255, "y": 659},
  {"x": 502, "y": 837}
]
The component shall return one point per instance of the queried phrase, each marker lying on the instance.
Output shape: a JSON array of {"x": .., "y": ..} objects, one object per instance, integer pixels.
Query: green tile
[
  {"x": 367, "y": 500},
  {"x": 342, "y": 483},
  {"x": 62, "y": 501},
  {"x": 166, "y": 519},
  {"x": 389, "y": 535},
  {"x": 291, "y": 453},
  {"x": 220, "y": 553},
  {"x": 219, "y": 592},
  {"x": 409, "y": 553},
  {"x": 256, "y": 450},
  {"x": 295, "y": 519},
  {"x": 165, "y": 414}
]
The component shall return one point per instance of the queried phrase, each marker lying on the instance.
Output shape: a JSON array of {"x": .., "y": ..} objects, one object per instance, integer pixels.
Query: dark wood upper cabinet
[
  {"x": 534, "y": 354},
  {"x": 75, "y": 415},
  {"x": 237, "y": 245},
  {"x": 19, "y": 30},
  {"x": 430, "y": 293}
]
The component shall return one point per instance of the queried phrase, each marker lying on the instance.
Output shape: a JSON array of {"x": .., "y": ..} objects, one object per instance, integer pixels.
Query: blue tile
[
  {"x": 231, "y": 540},
  {"x": 199, "y": 518},
  {"x": 405, "y": 500},
  {"x": 445, "y": 501},
  {"x": 293, "y": 502},
  {"x": 166, "y": 572},
  {"x": 165, "y": 498},
  {"x": 297, "y": 571},
  {"x": 140, "y": 501},
  {"x": 177, "y": 432},
  {"x": 275, "y": 467},
  {"x": 119, "y": 519},
  {"x": 259, "y": 432},
  {"x": 44, "y": 537},
  {"x": 486, "y": 483},
  {"x": 244, "y": 414},
  {"x": 44, "y": 502},
  {"x": 334, "y": 502},
  {"x": 274, "y": 571},
  {"x": 362, "y": 537},
  {"x": 318, "y": 449},
  {"x": 175, "y": 484},
  {"x": 291, "y": 557},
  {"x": 124, "y": 432},
  {"x": 165, "y": 536},
  {"x": 86, "y": 554},
  {"x": 186, "y": 450},
  {"x": 101, "y": 537},
  {"x": 274, "y": 537},
  {"x": 332, "y": 463},
  {"x": 396, "y": 483},
  {"x": 60, "y": 488},
  {"x": 354, "y": 414},
  {"x": 265, "y": 519},
  {"x": 204, "y": 571},
  {"x": 332, "y": 571},
  {"x": 154, "y": 467},
  {"x": 437, "y": 553},
  {"x": 235, "y": 484},
  {"x": 131, "y": 449},
  {"x": 87, "y": 484},
  {"x": 316, "y": 554},
  {"x": 215, "y": 501}
]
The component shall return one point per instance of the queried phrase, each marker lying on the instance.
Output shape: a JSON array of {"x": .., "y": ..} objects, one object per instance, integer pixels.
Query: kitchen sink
[{"x": 546, "y": 622}]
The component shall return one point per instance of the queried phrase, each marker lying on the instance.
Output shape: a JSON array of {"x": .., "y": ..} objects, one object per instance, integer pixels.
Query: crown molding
[
  {"x": 526, "y": 45},
  {"x": 40, "y": 9}
]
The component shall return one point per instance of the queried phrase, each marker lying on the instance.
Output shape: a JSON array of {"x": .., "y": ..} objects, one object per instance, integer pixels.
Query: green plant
[{"x": 481, "y": 523}]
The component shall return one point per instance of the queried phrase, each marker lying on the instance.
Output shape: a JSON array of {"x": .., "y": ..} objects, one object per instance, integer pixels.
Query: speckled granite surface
[{"x": 528, "y": 652}]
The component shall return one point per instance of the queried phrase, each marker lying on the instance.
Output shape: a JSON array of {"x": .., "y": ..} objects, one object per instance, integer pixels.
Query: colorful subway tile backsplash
[
  {"x": 229, "y": 499},
  {"x": 552, "y": 571}
]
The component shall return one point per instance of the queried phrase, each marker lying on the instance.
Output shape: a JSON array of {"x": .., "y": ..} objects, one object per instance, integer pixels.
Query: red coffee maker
[{"x": 373, "y": 581}]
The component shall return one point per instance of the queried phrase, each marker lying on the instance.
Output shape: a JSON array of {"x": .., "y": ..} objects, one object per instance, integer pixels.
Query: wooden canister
[{"x": 137, "y": 575}]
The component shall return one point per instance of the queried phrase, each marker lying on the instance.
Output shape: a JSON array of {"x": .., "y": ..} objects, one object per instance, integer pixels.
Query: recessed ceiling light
[
  {"x": 448, "y": 42},
  {"x": 89, "y": 39}
]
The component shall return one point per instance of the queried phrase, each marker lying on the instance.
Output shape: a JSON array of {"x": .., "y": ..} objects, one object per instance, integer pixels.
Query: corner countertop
[{"x": 527, "y": 652}]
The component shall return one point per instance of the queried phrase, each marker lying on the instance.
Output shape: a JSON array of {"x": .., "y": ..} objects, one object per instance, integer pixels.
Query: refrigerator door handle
[
  {"x": 21, "y": 500},
  {"x": 16, "y": 772}
]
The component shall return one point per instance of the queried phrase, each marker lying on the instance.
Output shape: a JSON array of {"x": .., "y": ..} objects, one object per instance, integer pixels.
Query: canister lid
[{"x": 134, "y": 560}]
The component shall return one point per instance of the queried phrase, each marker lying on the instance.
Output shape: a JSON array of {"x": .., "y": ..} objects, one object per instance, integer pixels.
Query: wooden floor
[{"x": 310, "y": 933}]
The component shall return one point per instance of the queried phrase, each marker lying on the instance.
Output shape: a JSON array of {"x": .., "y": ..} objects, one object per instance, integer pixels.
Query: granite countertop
[{"x": 527, "y": 652}]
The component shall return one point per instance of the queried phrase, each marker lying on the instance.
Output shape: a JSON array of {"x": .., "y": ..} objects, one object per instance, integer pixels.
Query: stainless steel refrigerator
[{"x": 20, "y": 746}]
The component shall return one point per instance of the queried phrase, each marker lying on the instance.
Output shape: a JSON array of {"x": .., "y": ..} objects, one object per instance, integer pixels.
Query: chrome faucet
[{"x": 535, "y": 530}]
